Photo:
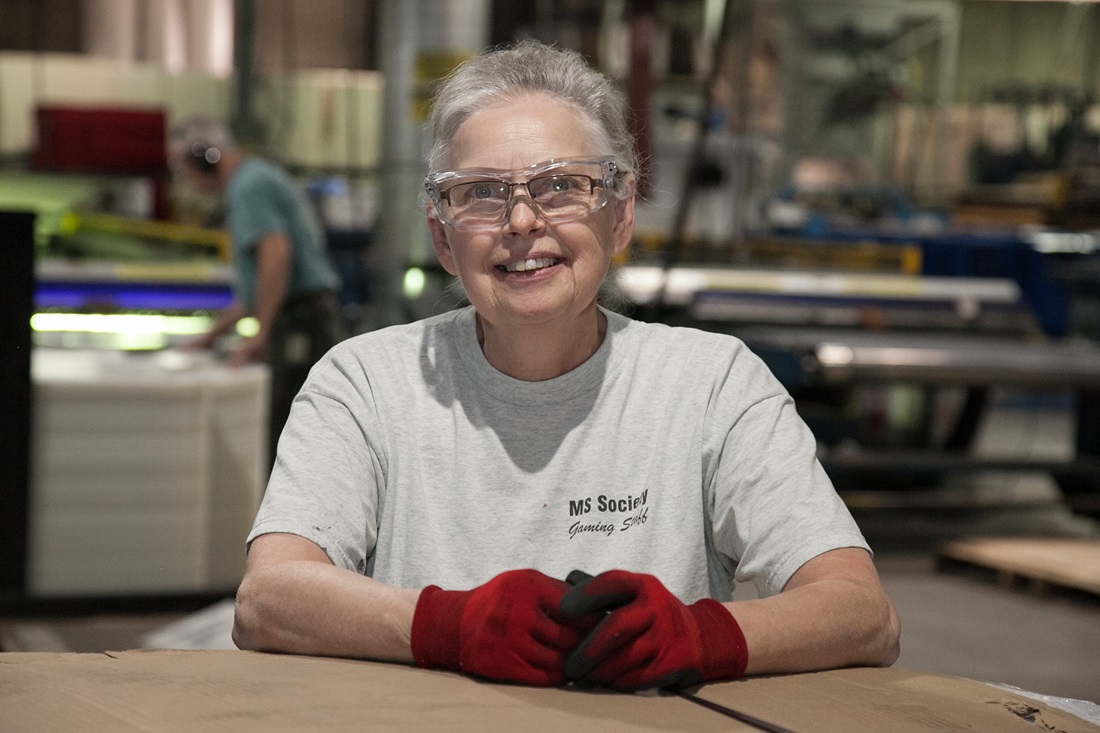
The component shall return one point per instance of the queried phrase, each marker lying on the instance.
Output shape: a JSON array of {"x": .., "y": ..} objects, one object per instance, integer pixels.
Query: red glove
[
  {"x": 648, "y": 637},
  {"x": 508, "y": 629}
]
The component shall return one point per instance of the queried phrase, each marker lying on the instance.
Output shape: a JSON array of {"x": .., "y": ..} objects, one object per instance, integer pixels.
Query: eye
[
  {"x": 477, "y": 192},
  {"x": 567, "y": 185},
  {"x": 561, "y": 184},
  {"x": 483, "y": 190}
]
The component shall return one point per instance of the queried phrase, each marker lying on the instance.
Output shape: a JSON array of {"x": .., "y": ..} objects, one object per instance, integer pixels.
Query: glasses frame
[{"x": 434, "y": 187}]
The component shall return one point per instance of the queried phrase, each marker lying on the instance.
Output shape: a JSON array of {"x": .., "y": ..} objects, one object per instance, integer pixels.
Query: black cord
[
  {"x": 579, "y": 576},
  {"x": 731, "y": 713}
]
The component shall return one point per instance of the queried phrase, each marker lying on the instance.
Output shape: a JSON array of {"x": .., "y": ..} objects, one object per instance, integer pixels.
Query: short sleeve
[
  {"x": 773, "y": 506},
  {"x": 325, "y": 485}
]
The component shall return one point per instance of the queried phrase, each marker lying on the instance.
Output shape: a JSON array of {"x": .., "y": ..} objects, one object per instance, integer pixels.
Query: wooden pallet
[{"x": 1037, "y": 563}]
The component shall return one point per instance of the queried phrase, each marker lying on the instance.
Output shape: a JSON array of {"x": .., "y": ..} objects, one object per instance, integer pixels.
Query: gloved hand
[
  {"x": 508, "y": 629},
  {"x": 648, "y": 638}
]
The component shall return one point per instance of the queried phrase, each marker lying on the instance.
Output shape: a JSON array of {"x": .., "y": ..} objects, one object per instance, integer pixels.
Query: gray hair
[{"x": 505, "y": 74}]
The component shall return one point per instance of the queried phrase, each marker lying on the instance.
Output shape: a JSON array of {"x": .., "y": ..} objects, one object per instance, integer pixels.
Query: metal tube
[
  {"x": 244, "y": 32},
  {"x": 401, "y": 167}
]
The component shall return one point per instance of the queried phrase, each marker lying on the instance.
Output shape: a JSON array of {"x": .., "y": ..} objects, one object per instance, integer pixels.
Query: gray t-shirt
[{"x": 671, "y": 451}]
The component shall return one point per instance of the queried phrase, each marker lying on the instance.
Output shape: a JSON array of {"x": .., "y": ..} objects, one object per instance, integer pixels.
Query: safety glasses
[{"x": 558, "y": 190}]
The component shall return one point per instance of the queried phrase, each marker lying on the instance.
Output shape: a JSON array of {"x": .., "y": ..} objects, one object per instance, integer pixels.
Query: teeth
[{"x": 529, "y": 264}]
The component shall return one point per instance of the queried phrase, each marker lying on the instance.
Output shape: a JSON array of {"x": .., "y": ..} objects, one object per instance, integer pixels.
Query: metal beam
[{"x": 399, "y": 219}]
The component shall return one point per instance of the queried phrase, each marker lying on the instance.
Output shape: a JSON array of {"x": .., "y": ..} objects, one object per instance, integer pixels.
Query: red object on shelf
[{"x": 101, "y": 139}]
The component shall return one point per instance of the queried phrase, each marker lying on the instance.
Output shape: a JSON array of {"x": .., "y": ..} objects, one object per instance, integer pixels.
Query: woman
[{"x": 438, "y": 481}]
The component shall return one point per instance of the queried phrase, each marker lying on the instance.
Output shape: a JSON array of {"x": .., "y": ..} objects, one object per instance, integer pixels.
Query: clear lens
[
  {"x": 558, "y": 191},
  {"x": 564, "y": 193},
  {"x": 476, "y": 200}
]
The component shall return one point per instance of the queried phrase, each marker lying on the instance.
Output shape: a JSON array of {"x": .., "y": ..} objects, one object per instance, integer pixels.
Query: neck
[{"x": 538, "y": 353}]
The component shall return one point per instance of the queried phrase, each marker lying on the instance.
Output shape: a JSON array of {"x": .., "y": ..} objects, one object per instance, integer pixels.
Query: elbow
[
  {"x": 887, "y": 648},
  {"x": 875, "y": 639},
  {"x": 246, "y": 624},
  {"x": 240, "y": 634}
]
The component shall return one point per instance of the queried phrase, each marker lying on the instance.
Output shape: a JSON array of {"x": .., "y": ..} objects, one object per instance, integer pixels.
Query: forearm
[
  {"x": 226, "y": 319},
  {"x": 827, "y": 624},
  {"x": 272, "y": 279},
  {"x": 306, "y": 607}
]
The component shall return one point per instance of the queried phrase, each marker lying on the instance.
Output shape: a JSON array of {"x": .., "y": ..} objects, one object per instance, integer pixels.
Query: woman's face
[{"x": 571, "y": 258}]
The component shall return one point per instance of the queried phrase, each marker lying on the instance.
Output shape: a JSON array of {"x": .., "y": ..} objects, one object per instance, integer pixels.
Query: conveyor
[
  {"x": 132, "y": 286},
  {"x": 837, "y": 357},
  {"x": 126, "y": 305},
  {"x": 872, "y": 326}
]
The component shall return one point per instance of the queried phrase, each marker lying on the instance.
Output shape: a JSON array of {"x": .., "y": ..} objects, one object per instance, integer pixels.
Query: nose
[{"x": 523, "y": 217}]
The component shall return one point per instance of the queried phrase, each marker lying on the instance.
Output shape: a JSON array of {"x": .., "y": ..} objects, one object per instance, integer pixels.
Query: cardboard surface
[
  {"x": 1069, "y": 562},
  {"x": 245, "y": 691},
  {"x": 890, "y": 700}
]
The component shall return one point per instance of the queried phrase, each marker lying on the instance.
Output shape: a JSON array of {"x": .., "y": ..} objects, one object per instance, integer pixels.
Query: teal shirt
[{"x": 262, "y": 199}]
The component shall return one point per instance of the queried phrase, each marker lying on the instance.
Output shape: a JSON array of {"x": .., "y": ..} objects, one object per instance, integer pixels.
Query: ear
[
  {"x": 440, "y": 244},
  {"x": 623, "y": 231}
]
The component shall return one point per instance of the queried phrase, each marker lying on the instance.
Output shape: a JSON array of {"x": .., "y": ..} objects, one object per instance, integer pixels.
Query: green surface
[{"x": 49, "y": 195}]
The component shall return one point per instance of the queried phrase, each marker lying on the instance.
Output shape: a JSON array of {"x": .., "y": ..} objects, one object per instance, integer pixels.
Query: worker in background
[
  {"x": 439, "y": 482},
  {"x": 282, "y": 273}
]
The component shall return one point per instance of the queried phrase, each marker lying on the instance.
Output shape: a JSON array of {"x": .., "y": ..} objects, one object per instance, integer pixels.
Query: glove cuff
[
  {"x": 435, "y": 628},
  {"x": 725, "y": 652}
]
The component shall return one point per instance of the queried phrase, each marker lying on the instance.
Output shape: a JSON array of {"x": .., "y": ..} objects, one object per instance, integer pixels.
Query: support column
[{"x": 16, "y": 308}]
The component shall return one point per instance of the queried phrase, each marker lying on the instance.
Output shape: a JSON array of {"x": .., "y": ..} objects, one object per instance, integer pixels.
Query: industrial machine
[{"x": 895, "y": 370}]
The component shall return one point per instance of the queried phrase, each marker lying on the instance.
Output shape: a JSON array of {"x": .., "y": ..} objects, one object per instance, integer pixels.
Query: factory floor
[{"x": 970, "y": 626}]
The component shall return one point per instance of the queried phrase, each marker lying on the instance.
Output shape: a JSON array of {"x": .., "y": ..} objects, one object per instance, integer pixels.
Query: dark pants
[{"x": 308, "y": 326}]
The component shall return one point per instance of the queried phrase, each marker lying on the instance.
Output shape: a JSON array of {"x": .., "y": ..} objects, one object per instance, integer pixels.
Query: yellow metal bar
[
  {"x": 906, "y": 259},
  {"x": 151, "y": 228}
]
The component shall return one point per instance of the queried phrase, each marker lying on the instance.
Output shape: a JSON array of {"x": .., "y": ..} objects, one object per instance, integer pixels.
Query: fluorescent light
[{"x": 121, "y": 323}]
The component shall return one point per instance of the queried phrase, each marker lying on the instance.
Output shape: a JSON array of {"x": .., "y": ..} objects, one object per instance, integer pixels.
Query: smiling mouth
[{"x": 529, "y": 265}]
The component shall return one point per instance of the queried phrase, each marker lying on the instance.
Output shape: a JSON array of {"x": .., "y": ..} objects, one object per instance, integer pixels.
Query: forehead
[{"x": 521, "y": 132}]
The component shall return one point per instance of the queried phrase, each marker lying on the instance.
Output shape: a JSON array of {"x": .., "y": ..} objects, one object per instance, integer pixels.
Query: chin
[{"x": 550, "y": 312}]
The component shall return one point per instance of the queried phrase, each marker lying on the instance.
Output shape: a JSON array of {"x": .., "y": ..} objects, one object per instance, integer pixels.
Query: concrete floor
[{"x": 966, "y": 625}]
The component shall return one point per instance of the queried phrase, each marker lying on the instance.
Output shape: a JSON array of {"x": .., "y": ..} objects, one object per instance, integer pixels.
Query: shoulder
[
  {"x": 387, "y": 364},
  {"x": 674, "y": 343},
  {"x": 255, "y": 173},
  {"x": 402, "y": 341},
  {"x": 693, "y": 361}
]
